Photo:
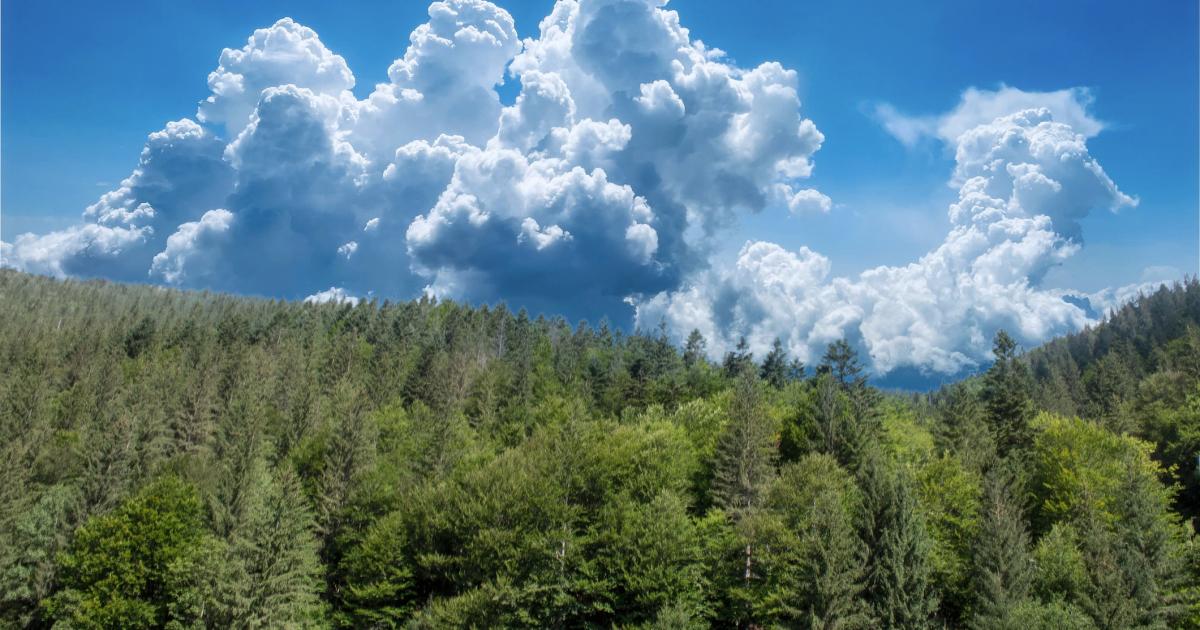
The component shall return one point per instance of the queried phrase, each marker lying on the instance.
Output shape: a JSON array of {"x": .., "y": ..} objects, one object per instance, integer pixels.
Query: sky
[{"x": 910, "y": 176}]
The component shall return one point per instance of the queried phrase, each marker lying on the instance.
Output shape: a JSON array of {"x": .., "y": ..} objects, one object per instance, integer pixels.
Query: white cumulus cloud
[
  {"x": 978, "y": 107},
  {"x": 1024, "y": 182},
  {"x": 628, "y": 153}
]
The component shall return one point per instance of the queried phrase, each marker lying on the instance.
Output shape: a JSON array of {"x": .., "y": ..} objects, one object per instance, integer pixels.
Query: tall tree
[
  {"x": 775, "y": 367},
  {"x": 746, "y": 450},
  {"x": 745, "y": 462},
  {"x": 900, "y": 570},
  {"x": 1008, "y": 396},
  {"x": 694, "y": 348},
  {"x": 1003, "y": 563},
  {"x": 279, "y": 572},
  {"x": 818, "y": 575},
  {"x": 842, "y": 362},
  {"x": 738, "y": 359}
]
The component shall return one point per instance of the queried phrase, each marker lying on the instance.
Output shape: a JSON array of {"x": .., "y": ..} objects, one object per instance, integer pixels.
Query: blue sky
[{"x": 84, "y": 83}]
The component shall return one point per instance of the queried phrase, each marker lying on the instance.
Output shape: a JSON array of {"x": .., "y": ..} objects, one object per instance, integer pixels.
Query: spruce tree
[
  {"x": 276, "y": 553},
  {"x": 962, "y": 428},
  {"x": 820, "y": 574},
  {"x": 746, "y": 450},
  {"x": 1008, "y": 397},
  {"x": 745, "y": 463},
  {"x": 795, "y": 371},
  {"x": 901, "y": 589},
  {"x": 1003, "y": 572},
  {"x": 694, "y": 348},
  {"x": 775, "y": 367},
  {"x": 842, "y": 362},
  {"x": 738, "y": 359}
]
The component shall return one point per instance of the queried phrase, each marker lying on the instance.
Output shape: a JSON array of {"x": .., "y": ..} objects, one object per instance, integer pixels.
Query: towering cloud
[
  {"x": 1023, "y": 182},
  {"x": 629, "y": 151}
]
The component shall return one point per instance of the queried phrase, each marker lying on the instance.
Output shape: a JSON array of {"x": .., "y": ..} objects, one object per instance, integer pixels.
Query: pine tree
[
  {"x": 350, "y": 451},
  {"x": 745, "y": 461},
  {"x": 840, "y": 430},
  {"x": 237, "y": 455},
  {"x": 1007, "y": 396},
  {"x": 694, "y": 348},
  {"x": 379, "y": 576},
  {"x": 1003, "y": 563},
  {"x": 962, "y": 428},
  {"x": 746, "y": 451},
  {"x": 842, "y": 362},
  {"x": 738, "y": 360},
  {"x": 1134, "y": 563},
  {"x": 795, "y": 371},
  {"x": 775, "y": 367},
  {"x": 819, "y": 577},
  {"x": 901, "y": 588},
  {"x": 276, "y": 553}
]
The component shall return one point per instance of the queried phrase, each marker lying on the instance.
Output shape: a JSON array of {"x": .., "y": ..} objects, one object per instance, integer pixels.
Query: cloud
[
  {"x": 805, "y": 201},
  {"x": 191, "y": 240},
  {"x": 612, "y": 179},
  {"x": 444, "y": 83},
  {"x": 337, "y": 295},
  {"x": 87, "y": 250},
  {"x": 285, "y": 53},
  {"x": 978, "y": 107},
  {"x": 1024, "y": 181},
  {"x": 180, "y": 174},
  {"x": 535, "y": 232},
  {"x": 628, "y": 149}
]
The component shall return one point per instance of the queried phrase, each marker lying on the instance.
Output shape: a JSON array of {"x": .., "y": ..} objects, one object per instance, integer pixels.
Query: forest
[{"x": 183, "y": 459}]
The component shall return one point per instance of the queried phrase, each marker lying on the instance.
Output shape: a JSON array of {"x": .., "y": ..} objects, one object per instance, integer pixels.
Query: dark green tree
[
  {"x": 900, "y": 573},
  {"x": 774, "y": 368},
  {"x": 1007, "y": 397},
  {"x": 694, "y": 348},
  {"x": 746, "y": 450},
  {"x": 841, "y": 361},
  {"x": 1003, "y": 565},
  {"x": 278, "y": 572},
  {"x": 738, "y": 360}
]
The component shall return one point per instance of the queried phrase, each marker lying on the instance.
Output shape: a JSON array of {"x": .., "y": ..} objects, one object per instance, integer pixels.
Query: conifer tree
[
  {"x": 1003, "y": 563},
  {"x": 1007, "y": 396},
  {"x": 842, "y": 362},
  {"x": 820, "y": 575},
  {"x": 693, "y": 348},
  {"x": 775, "y": 367},
  {"x": 738, "y": 360},
  {"x": 963, "y": 429},
  {"x": 900, "y": 585},
  {"x": 746, "y": 451},
  {"x": 745, "y": 461},
  {"x": 795, "y": 371},
  {"x": 278, "y": 580}
]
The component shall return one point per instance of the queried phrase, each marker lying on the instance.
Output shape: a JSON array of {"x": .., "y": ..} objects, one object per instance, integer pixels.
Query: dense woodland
[{"x": 183, "y": 460}]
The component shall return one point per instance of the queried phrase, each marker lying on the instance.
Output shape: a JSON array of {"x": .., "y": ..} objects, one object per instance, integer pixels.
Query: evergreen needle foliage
[{"x": 192, "y": 460}]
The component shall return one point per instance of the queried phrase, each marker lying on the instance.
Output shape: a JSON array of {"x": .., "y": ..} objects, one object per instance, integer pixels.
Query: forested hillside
[{"x": 191, "y": 460}]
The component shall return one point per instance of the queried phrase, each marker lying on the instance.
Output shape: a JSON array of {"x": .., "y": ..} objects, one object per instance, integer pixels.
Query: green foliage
[
  {"x": 951, "y": 499},
  {"x": 804, "y": 563},
  {"x": 380, "y": 587},
  {"x": 194, "y": 460},
  {"x": 1078, "y": 467},
  {"x": 746, "y": 451},
  {"x": 1007, "y": 396},
  {"x": 123, "y": 568},
  {"x": 1003, "y": 565},
  {"x": 774, "y": 368},
  {"x": 900, "y": 580}
]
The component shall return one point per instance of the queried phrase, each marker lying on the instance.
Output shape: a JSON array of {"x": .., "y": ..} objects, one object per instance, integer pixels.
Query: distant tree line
[{"x": 194, "y": 460}]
